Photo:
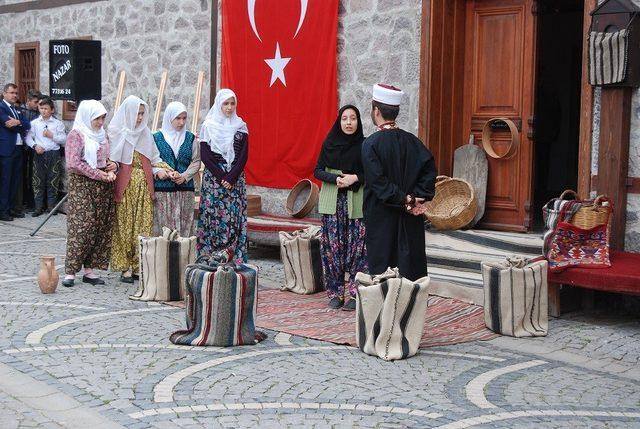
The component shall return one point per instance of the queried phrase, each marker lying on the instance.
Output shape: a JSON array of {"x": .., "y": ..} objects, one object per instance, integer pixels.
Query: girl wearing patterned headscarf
[
  {"x": 173, "y": 205},
  {"x": 133, "y": 147},
  {"x": 223, "y": 198},
  {"x": 90, "y": 210}
]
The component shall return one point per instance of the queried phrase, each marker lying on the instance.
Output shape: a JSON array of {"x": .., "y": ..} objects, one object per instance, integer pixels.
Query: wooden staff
[
  {"x": 156, "y": 116},
  {"x": 121, "y": 83},
  {"x": 194, "y": 127},
  {"x": 196, "y": 102}
]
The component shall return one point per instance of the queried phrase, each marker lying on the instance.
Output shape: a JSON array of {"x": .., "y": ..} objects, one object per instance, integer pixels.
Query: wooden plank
[
  {"x": 156, "y": 114},
  {"x": 214, "y": 52},
  {"x": 40, "y": 4},
  {"x": 613, "y": 156},
  {"x": 554, "y": 299},
  {"x": 470, "y": 163},
  {"x": 633, "y": 184},
  {"x": 586, "y": 109},
  {"x": 425, "y": 68},
  {"x": 121, "y": 83}
]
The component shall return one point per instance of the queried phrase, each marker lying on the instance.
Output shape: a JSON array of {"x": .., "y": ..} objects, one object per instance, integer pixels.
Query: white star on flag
[{"x": 277, "y": 65}]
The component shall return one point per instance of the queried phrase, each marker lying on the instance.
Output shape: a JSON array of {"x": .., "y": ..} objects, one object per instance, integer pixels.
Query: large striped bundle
[
  {"x": 515, "y": 297},
  {"x": 163, "y": 261},
  {"x": 221, "y": 305},
  {"x": 608, "y": 57},
  {"x": 390, "y": 314},
  {"x": 300, "y": 254}
]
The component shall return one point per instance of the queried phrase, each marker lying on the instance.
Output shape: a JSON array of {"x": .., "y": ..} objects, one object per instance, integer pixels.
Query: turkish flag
[{"x": 279, "y": 57}]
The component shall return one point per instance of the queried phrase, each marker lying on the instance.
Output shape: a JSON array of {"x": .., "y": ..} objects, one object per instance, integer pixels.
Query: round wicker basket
[
  {"x": 454, "y": 205},
  {"x": 591, "y": 215},
  {"x": 302, "y": 198}
]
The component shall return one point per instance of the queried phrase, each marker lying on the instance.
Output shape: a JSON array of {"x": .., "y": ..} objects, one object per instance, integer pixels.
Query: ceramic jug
[{"x": 48, "y": 276}]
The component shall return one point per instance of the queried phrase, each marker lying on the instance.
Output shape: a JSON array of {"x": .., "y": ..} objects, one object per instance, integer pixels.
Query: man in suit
[{"x": 13, "y": 129}]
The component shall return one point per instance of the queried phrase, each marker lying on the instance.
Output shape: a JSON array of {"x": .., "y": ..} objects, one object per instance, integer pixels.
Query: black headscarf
[{"x": 342, "y": 151}]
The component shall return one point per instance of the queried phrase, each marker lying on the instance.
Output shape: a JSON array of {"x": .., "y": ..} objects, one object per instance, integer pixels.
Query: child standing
[{"x": 45, "y": 137}]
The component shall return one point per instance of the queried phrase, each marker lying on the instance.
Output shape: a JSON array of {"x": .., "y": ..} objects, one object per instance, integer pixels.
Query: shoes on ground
[
  {"x": 37, "y": 212},
  {"x": 126, "y": 279},
  {"x": 335, "y": 303},
  {"x": 92, "y": 281},
  {"x": 350, "y": 305},
  {"x": 5, "y": 217},
  {"x": 68, "y": 282},
  {"x": 135, "y": 276},
  {"x": 17, "y": 214}
]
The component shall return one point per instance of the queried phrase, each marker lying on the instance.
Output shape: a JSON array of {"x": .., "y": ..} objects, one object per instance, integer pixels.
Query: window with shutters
[{"x": 27, "y": 68}]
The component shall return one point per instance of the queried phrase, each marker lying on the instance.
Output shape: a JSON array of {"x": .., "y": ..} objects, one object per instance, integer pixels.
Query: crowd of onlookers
[{"x": 31, "y": 154}]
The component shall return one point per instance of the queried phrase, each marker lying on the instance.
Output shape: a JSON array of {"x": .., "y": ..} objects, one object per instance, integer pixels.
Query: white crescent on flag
[{"x": 251, "y": 10}]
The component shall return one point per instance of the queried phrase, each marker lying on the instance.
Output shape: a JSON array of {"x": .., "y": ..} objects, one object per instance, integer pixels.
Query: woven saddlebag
[
  {"x": 515, "y": 297},
  {"x": 163, "y": 261},
  {"x": 300, "y": 254},
  {"x": 221, "y": 303},
  {"x": 390, "y": 314}
]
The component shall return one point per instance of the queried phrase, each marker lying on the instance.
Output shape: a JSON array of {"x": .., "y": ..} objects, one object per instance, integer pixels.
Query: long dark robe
[{"x": 396, "y": 163}]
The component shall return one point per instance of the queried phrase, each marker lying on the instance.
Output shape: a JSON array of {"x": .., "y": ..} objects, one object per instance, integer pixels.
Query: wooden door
[
  {"x": 27, "y": 68},
  {"x": 499, "y": 81}
]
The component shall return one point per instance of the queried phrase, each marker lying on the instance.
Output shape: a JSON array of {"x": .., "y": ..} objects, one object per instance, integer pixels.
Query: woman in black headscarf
[{"x": 340, "y": 169}]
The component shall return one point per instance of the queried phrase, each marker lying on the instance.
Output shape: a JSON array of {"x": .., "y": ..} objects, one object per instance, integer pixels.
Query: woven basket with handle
[
  {"x": 592, "y": 213},
  {"x": 454, "y": 205}
]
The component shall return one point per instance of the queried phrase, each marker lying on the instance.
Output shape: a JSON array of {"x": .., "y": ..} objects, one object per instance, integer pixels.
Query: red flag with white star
[{"x": 279, "y": 57}]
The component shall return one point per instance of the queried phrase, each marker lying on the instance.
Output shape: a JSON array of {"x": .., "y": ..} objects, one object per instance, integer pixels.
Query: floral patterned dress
[{"x": 223, "y": 217}]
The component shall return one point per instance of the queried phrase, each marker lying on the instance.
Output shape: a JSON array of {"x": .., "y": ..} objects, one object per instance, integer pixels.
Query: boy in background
[{"x": 46, "y": 136}]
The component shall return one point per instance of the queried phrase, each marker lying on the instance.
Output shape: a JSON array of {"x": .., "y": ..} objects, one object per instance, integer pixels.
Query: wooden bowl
[{"x": 302, "y": 198}]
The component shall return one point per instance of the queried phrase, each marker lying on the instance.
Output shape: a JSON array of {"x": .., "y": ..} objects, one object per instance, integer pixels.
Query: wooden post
[
  {"x": 613, "y": 156},
  {"x": 196, "y": 103},
  {"x": 121, "y": 83},
  {"x": 156, "y": 115}
]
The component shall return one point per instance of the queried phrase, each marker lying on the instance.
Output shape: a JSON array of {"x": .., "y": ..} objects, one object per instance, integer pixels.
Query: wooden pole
[
  {"x": 156, "y": 115},
  {"x": 121, "y": 83},
  {"x": 196, "y": 102},
  {"x": 194, "y": 129}
]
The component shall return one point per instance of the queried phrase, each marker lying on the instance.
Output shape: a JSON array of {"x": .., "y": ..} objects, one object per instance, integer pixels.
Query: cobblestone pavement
[{"x": 90, "y": 357}]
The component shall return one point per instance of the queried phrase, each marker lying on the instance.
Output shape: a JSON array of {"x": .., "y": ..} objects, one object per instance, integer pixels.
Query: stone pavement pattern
[{"x": 90, "y": 357}]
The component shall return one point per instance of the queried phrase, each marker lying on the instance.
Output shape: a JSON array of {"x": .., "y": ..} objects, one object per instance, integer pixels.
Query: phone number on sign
[{"x": 61, "y": 91}]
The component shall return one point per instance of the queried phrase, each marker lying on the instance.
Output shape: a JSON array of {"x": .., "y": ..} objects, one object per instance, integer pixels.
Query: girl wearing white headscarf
[
  {"x": 133, "y": 148},
  {"x": 224, "y": 150},
  {"x": 173, "y": 205},
  {"x": 91, "y": 209}
]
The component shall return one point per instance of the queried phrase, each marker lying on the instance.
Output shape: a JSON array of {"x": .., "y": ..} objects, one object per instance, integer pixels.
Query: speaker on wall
[{"x": 75, "y": 71}]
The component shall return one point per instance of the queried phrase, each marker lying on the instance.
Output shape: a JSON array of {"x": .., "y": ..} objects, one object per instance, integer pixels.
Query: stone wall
[{"x": 139, "y": 36}]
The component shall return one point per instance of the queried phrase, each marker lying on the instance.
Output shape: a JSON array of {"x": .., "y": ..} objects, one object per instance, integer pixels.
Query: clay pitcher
[{"x": 48, "y": 276}]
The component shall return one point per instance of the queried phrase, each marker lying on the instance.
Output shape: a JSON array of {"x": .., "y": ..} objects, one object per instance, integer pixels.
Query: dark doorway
[{"x": 557, "y": 117}]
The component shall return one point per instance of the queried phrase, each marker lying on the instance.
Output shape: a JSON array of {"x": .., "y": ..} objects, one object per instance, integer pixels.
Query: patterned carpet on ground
[{"x": 448, "y": 321}]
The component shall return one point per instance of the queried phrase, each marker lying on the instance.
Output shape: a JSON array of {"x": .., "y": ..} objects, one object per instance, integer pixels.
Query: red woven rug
[{"x": 448, "y": 321}]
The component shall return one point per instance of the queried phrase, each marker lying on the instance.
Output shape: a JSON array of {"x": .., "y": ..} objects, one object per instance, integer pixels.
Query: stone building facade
[{"x": 378, "y": 40}]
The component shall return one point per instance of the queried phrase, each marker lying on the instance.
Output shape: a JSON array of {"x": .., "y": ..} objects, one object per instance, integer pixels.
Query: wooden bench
[{"x": 622, "y": 277}]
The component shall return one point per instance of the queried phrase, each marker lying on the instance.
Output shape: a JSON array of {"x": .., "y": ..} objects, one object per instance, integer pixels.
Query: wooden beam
[
  {"x": 40, "y": 4},
  {"x": 586, "y": 108},
  {"x": 214, "y": 52},
  {"x": 425, "y": 72},
  {"x": 633, "y": 184},
  {"x": 613, "y": 156}
]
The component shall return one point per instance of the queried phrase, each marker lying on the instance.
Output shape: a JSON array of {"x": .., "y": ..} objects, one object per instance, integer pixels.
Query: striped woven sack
[
  {"x": 608, "y": 57},
  {"x": 221, "y": 303},
  {"x": 390, "y": 314},
  {"x": 300, "y": 254},
  {"x": 163, "y": 261},
  {"x": 515, "y": 297}
]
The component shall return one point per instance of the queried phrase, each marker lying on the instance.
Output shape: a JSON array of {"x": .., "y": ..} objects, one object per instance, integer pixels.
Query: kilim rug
[{"x": 448, "y": 321}]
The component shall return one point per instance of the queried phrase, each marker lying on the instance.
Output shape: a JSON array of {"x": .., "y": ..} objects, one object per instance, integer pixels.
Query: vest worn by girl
[{"x": 179, "y": 164}]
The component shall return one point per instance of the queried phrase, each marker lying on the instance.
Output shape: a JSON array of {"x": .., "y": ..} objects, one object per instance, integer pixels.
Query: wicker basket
[
  {"x": 454, "y": 205},
  {"x": 592, "y": 213}
]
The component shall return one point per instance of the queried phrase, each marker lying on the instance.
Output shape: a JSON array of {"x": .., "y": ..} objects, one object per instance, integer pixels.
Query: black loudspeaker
[{"x": 75, "y": 71}]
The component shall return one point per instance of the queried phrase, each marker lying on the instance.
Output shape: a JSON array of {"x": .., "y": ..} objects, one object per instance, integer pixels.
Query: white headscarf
[
  {"x": 218, "y": 130},
  {"x": 88, "y": 110},
  {"x": 172, "y": 136},
  {"x": 126, "y": 136}
]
